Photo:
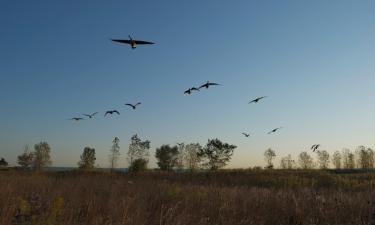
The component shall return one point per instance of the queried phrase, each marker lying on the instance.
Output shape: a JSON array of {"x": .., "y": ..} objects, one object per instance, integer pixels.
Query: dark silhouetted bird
[
  {"x": 133, "y": 43},
  {"x": 77, "y": 118},
  {"x": 111, "y": 112},
  {"x": 90, "y": 115},
  {"x": 133, "y": 106},
  {"x": 315, "y": 147},
  {"x": 188, "y": 91},
  {"x": 274, "y": 130},
  {"x": 245, "y": 134},
  {"x": 208, "y": 84},
  {"x": 257, "y": 99}
]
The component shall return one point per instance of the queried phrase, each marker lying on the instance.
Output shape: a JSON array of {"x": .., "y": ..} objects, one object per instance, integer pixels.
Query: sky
[{"x": 313, "y": 59}]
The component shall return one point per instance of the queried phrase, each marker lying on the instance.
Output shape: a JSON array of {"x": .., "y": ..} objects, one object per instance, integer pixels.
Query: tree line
[{"x": 214, "y": 155}]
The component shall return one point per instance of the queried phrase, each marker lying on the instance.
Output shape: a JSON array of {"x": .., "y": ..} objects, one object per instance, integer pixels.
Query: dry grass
[{"x": 228, "y": 197}]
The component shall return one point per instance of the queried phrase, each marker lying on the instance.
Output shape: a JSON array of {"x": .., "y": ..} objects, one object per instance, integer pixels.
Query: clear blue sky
[{"x": 314, "y": 59}]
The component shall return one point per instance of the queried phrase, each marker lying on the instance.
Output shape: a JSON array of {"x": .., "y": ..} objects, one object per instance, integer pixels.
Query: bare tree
[
  {"x": 348, "y": 159},
  {"x": 42, "y": 156},
  {"x": 287, "y": 162},
  {"x": 323, "y": 159},
  {"x": 336, "y": 160},
  {"x": 25, "y": 160},
  {"x": 138, "y": 149},
  {"x": 365, "y": 157},
  {"x": 192, "y": 159},
  {"x": 269, "y": 155},
  {"x": 305, "y": 161},
  {"x": 181, "y": 155},
  {"x": 114, "y": 154}
]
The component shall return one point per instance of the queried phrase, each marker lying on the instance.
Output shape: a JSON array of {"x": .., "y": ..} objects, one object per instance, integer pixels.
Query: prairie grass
[{"x": 225, "y": 197}]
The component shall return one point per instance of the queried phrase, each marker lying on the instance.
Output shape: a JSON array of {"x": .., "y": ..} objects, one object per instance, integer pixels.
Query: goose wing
[
  {"x": 143, "y": 42},
  {"x": 122, "y": 41}
]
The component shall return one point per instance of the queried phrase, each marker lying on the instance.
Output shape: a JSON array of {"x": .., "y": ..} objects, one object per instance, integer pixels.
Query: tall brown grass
[{"x": 225, "y": 197}]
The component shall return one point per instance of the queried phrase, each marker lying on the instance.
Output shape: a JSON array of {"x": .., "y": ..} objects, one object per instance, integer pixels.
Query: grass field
[{"x": 225, "y": 197}]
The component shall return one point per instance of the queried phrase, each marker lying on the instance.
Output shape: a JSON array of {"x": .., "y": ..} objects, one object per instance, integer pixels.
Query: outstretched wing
[
  {"x": 194, "y": 89},
  {"x": 202, "y": 86},
  {"x": 87, "y": 115},
  {"x": 106, "y": 113},
  {"x": 138, "y": 103},
  {"x": 143, "y": 42},
  {"x": 94, "y": 113},
  {"x": 213, "y": 84},
  {"x": 122, "y": 41},
  {"x": 128, "y": 104},
  {"x": 115, "y": 111}
]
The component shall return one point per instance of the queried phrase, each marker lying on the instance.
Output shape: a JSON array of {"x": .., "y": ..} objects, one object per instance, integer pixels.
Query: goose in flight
[
  {"x": 90, "y": 115},
  {"x": 132, "y": 42},
  {"x": 207, "y": 85},
  {"x": 111, "y": 112},
  {"x": 77, "y": 118},
  {"x": 257, "y": 99},
  {"x": 315, "y": 147},
  {"x": 133, "y": 106},
  {"x": 188, "y": 91},
  {"x": 246, "y": 134},
  {"x": 274, "y": 130}
]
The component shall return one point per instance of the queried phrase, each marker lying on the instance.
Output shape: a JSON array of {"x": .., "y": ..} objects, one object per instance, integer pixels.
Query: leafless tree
[
  {"x": 138, "y": 149},
  {"x": 192, "y": 159},
  {"x": 336, "y": 160},
  {"x": 269, "y": 155},
  {"x": 305, "y": 161},
  {"x": 114, "y": 154},
  {"x": 42, "y": 156},
  {"x": 287, "y": 162},
  {"x": 323, "y": 159}
]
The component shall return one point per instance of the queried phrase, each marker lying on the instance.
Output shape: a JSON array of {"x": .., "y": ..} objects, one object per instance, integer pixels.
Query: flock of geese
[{"x": 133, "y": 44}]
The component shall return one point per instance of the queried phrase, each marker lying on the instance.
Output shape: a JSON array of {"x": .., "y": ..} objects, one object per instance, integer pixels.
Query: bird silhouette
[
  {"x": 274, "y": 130},
  {"x": 245, "y": 134},
  {"x": 208, "y": 84},
  {"x": 77, "y": 118},
  {"x": 90, "y": 115},
  {"x": 315, "y": 147},
  {"x": 132, "y": 42},
  {"x": 133, "y": 106},
  {"x": 111, "y": 112},
  {"x": 188, "y": 91},
  {"x": 257, "y": 99}
]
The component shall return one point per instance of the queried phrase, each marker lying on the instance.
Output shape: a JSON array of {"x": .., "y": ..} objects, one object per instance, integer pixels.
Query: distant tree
[
  {"x": 192, "y": 159},
  {"x": 348, "y": 159},
  {"x": 336, "y": 160},
  {"x": 138, "y": 165},
  {"x": 365, "y": 157},
  {"x": 88, "y": 158},
  {"x": 3, "y": 163},
  {"x": 216, "y": 154},
  {"x": 25, "y": 160},
  {"x": 138, "y": 149},
  {"x": 269, "y": 155},
  {"x": 287, "y": 162},
  {"x": 323, "y": 159},
  {"x": 181, "y": 155},
  {"x": 114, "y": 154},
  {"x": 167, "y": 157},
  {"x": 351, "y": 161},
  {"x": 41, "y": 156},
  {"x": 305, "y": 160}
]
